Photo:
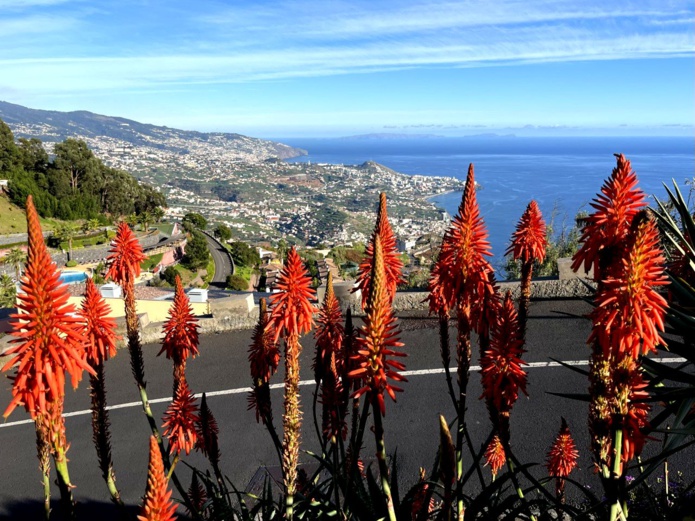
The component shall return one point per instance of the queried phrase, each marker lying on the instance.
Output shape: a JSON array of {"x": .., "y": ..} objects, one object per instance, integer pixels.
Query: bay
[{"x": 562, "y": 174}]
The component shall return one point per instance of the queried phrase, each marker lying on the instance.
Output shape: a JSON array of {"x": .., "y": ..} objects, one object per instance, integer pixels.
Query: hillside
[{"x": 53, "y": 126}]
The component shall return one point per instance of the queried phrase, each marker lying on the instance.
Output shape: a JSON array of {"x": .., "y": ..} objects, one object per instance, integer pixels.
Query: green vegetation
[
  {"x": 244, "y": 255},
  {"x": 151, "y": 262},
  {"x": 237, "y": 283},
  {"x": 194, "y": 220},
  {"x": 223, "y": 232},
  {"x": 74, "y": 185},
  {"x": 197, "y": 254},
  {"x": 71, "y": 264},
  {"x": 210, "y": 272}
]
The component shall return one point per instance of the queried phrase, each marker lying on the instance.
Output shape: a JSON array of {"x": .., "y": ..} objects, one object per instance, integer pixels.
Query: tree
[
  {"x": 9, "y": 154},
  {"x": 8, "y": 291},
  {"x": 16, "y": 258},
  {"x": 223, "y": 232},
  {"x": 244, "y": 255},
  {"x": 196, "y": 252},
  {"x": 66, "y": 232},
  {"x": 169, "y": 275},
  {"x": 194, "y": 220},
  {"x": 34, "y": 158},
  {"x": 76, "y": 162}
]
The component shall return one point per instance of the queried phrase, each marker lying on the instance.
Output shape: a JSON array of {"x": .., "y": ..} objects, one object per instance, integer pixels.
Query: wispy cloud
[{"x": 58, "y": 50}]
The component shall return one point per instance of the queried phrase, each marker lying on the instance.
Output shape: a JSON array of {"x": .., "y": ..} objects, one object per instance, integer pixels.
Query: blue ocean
[{"x": 561, "y": 174}]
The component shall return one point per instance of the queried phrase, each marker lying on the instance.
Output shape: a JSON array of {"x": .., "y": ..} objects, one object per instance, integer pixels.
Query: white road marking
[{"x": 240, "y": 390}]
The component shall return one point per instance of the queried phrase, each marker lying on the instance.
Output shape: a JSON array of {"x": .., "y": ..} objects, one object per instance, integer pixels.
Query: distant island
[{"x": 388, "y": 135}]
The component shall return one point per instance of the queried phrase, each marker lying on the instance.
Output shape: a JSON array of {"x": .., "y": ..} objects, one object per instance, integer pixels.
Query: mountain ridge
[{"x": 53, "y": 126}]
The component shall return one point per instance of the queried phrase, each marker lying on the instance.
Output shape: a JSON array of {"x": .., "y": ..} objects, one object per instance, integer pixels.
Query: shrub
[
  {"x": 169, "y": 275},
  {"x": 71, "y": 263},
  {"x": 237, "y": 283}
]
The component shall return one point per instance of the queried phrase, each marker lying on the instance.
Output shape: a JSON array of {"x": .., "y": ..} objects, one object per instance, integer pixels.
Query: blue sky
[{"x": 333, "y": 68}]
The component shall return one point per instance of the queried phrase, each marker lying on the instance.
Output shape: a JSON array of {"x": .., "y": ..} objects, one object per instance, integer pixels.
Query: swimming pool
[{"x": 71, "y": 277}]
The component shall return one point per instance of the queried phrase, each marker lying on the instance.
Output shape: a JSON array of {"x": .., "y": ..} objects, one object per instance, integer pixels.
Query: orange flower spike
[
  {"x": 495, "y": 455},
  {"x": 392, "y": 259},
  {"x": 49, "y": 337},
  {"x": 125, "y": 256},
  {"x": 180, "y": 420},
  {"x": 529, "y": 240},
  {"x": 329, "y": 333},
  {"x": 378, "y": 339},
  {"x": 563, "y": 454},
  {"x": 614, "y": 208},
  {"x": 292, "y": 311},
  {"x": 181, "y": 329},
  {"x": 264, "y": 355},
  {"x": 629, "y": 313},
  {"x": 462, "y": 273},
  {"x": 157, "y": 505},
  {"x": 100, "y": 329},
  {"x": 502, "y": 373}
]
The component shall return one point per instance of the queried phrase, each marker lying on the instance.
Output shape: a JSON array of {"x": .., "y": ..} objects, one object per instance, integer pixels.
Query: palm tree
[
  {"x": 16, "y": 258},
  {"x": 158, "y": 213},
  {"x": 145, "y": 218},
  {"x": 66, "y": 232}
]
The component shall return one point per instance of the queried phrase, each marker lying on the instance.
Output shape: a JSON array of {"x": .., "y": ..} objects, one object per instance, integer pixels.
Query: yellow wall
[{"x": 157, "y": 310}]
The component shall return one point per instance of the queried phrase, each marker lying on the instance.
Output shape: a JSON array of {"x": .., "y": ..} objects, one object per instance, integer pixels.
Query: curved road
[
  {"x": 556, "y": 329},
  {"x": 223, "y": 264}
]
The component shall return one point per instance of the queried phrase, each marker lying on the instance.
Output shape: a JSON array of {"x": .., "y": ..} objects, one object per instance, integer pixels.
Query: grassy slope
[{"x": 13, "y": 220}]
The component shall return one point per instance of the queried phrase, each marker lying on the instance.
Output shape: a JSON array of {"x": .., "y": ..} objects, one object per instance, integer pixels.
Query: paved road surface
[
  {"x": 411, "y": 423},
  {"x": 223, "y": 266}
]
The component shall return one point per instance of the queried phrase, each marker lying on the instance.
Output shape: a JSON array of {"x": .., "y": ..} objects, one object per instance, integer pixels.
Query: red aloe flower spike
[
  {"x": 563, "y": 454},
  {"x": 264, "y": 358},
  {"x": 291, "y": 316},
  {"x": 329, "y": 334},
  {"x": 180, "y": 420},
  {"x": 528, "y": 246},
  {"x": 495, "y": 455},
  {"x": 632, "y": 407},
  {"x": 629, "y": 312},
  {"x": 502, "y": 373},
  {"x": 292, "y": 311},
  {"x": 462, "y": 275},
  {"x": 334, "y": 403},
  {"x": 378, "y": 338},
  {"x": 180, "y": 332},
  {"x": 264, "y": 355},
  {"x": 392, "y": 259},
  {"x": 562, "y": 458},
  {"x": 207, "y": 433},
  {"x": 197, "y": 494},
  {"x": 529, "y": 239},
  {"x": 100, "y": 329},
  {"x": 606, "y": 228},
  {"x": 49, "y": 336},
  {"x": 157, "y": 505},
  {"x": 125, "y": 256}
]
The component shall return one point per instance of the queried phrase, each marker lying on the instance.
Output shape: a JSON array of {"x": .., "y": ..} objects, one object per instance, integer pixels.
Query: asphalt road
[
  {"x": 556, "y": 329},
  {"x": 223, "y": 266}
]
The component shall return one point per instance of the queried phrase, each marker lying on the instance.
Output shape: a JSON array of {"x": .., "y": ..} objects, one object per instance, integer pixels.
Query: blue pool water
[{"x": 71, "y": 277}]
